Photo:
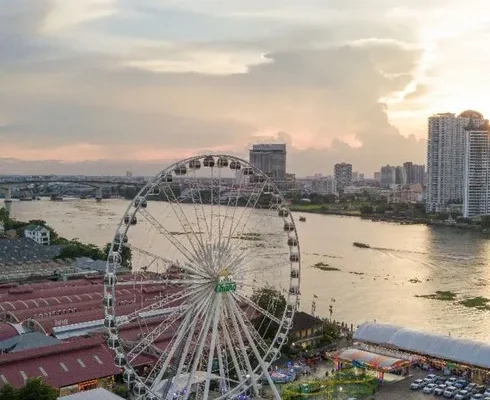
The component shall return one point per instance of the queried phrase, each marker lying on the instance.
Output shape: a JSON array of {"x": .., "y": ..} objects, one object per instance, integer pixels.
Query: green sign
[{"x": 225, "y": 286}]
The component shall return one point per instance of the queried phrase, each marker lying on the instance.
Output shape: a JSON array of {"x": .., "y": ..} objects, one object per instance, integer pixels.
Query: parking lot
[{"x": 400, "y": 390}]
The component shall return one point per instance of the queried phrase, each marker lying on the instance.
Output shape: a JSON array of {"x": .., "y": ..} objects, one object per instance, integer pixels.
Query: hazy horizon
[{"x": 98, "y": 86}]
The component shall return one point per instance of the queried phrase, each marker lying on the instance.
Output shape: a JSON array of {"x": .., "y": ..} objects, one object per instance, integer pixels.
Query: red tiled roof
[
  {"x": 59, "y": 365},
  {"x": 7, "y": 331}
]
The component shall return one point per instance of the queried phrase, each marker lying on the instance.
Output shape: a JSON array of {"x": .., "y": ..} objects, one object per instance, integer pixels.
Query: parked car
[
  {"x": 451, "y": 381},
  {"x": 477, "y": 396},
  {"x": 462, "y": 395},
  {"x": 480, "y": 389},
  {"x": 431, "y": 378},
  {"x": 471, "y": 386},
  {"x": 486, "y": 393},
  {"x": 429, "y": 389},
  {"x": 417, "y": 384},
  {"x": 449, "y": 392},
  {"x": 461, "y": 383},
  {"x": 439, "y": 390}
]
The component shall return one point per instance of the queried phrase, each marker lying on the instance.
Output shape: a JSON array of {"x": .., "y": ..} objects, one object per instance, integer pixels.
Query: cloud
[{"x": 158, "y": 98}]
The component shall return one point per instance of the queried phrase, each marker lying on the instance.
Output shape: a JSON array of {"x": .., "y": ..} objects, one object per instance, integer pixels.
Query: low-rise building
[
  {"x": 307, "y": 330},
  {"x": 38, "y": 233}
]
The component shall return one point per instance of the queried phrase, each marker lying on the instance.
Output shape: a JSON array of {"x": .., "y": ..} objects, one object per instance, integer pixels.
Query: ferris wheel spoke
[
  {"x": 184, "y": 222},
  {"x": 160, "y": 304},
  {"x": 201, "y": 220},
  {"x": 233, "y": 228},
  {"x": 252, "y": 211},
  {"x": 161, "y": 366},
  {"x": 149, "y": 339},
  {"x": 168, "y": 263},
  {"x": 263, "y": 365},
  {"x": 192, "y": 258},
  {"x": 240, "y": 298}
]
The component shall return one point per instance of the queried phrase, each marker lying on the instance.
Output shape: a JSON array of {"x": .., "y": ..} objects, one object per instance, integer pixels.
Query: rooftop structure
[
  {"x": 94, "y": 394},
  {"x": 25, "y": 250},
  {"x": 427, "y": 344}
]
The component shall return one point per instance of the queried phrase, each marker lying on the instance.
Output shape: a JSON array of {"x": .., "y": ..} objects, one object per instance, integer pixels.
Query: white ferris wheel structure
[{"x": 216, "y": 261}]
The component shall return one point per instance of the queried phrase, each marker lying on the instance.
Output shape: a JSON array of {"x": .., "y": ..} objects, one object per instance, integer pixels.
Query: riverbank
[{"x": 402, "y": 220}]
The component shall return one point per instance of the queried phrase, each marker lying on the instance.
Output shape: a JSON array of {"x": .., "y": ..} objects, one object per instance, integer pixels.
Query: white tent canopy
[{"x": 444, "y": 347}]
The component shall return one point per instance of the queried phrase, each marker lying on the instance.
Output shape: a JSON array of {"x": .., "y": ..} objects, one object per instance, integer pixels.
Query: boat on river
[
  {"x": 361, "y": 245},
  {"x": 302, "y": 219}
]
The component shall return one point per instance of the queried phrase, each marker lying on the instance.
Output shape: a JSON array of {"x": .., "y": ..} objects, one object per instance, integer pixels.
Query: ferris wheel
[{"x": 207, "y": 301}]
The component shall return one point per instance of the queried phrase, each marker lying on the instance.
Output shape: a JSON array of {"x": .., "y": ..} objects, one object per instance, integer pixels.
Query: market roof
[
  {"x": 94, "y": 394},
  {"x": 59, "y": 365},
  {"x": 373, "y": 360},
  {"x": 444, "y": 347},
  {"x": 7, "y": 331},
  {"x": 304, "y": 320}
]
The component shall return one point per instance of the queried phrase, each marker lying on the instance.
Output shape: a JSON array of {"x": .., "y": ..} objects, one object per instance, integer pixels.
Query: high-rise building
[
  {"x": 400, "y": 176},
  {"x": 415, "y": 174},
  {"x": 476, "y": 200},
  {"x": 387, "y": 176},
  {"x": 270, "y": 159},
  {"x": 377, "y": 176},
  {"x": 343, "y": 176},
  {"x": 445, "y": 159}
]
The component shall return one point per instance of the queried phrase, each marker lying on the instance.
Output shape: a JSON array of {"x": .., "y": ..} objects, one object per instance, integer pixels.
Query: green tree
[
  {"x": 485, "y": 221},
  {"x": 75, "y": 249},
  {"x": 36, "y": 389},
  {"x": 126, "y": 255},
  {"x": 8, "y": 392},
  {"x": 272, "y": 301},
  {"x": 366, "y": 210}
]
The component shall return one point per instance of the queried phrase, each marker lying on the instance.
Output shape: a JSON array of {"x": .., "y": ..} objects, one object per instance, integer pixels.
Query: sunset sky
[{"x": 101, "y": 86}]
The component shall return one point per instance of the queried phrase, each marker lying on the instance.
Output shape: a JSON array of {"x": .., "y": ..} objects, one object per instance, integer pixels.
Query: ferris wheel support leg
[
  {"x": 276, "y": 394},
  {"x": 214, "y": 333},
  {"x": 231, "y": 312},
  {"x": 197, "y": 358},
  {"x": 234, "y": 358}
]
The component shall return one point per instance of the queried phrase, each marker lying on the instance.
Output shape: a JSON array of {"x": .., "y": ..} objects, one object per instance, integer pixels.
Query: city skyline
[{"x": 100, "y": 84}]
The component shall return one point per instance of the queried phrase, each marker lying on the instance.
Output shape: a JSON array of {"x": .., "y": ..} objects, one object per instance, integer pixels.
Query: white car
[
  {"x": 462, "y": 395},
  {"x": 487, "y": 393},
  {"x": 429, "y": 388},
  {"x": 439, "y": 390},
  {"x": 477, "y": 396},
  {"x": 450, "y": 392},
  {"x": 417, "y": 384},
  {"x": 431, "y": 378}
]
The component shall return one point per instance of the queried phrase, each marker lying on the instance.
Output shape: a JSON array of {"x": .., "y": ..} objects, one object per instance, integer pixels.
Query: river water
[{"x": 373, "y": 284}]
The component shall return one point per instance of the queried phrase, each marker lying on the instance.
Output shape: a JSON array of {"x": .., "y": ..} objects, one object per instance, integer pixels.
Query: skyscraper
[
  {"x": 446, "y": 157},
  {"x": 270, "y": 159},
  {"x": 415, "y": 174},
  {"x": 476, "y": 199},
  {"x": 343, "y": 176},
  {"x": 387, "y": 176}
]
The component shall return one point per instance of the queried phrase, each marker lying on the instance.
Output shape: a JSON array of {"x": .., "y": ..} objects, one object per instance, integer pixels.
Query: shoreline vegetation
[{"x": 403, "y": 218}]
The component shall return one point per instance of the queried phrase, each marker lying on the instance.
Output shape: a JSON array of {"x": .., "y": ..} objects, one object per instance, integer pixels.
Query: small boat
[
  {"x": 55, "y": 197},
  {"x": 302, "y": 219},
  {"x": 361, "y": 245}
]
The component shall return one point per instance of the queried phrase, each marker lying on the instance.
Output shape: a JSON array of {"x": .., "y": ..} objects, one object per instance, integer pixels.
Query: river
[{"x": 380, "y": 283}]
